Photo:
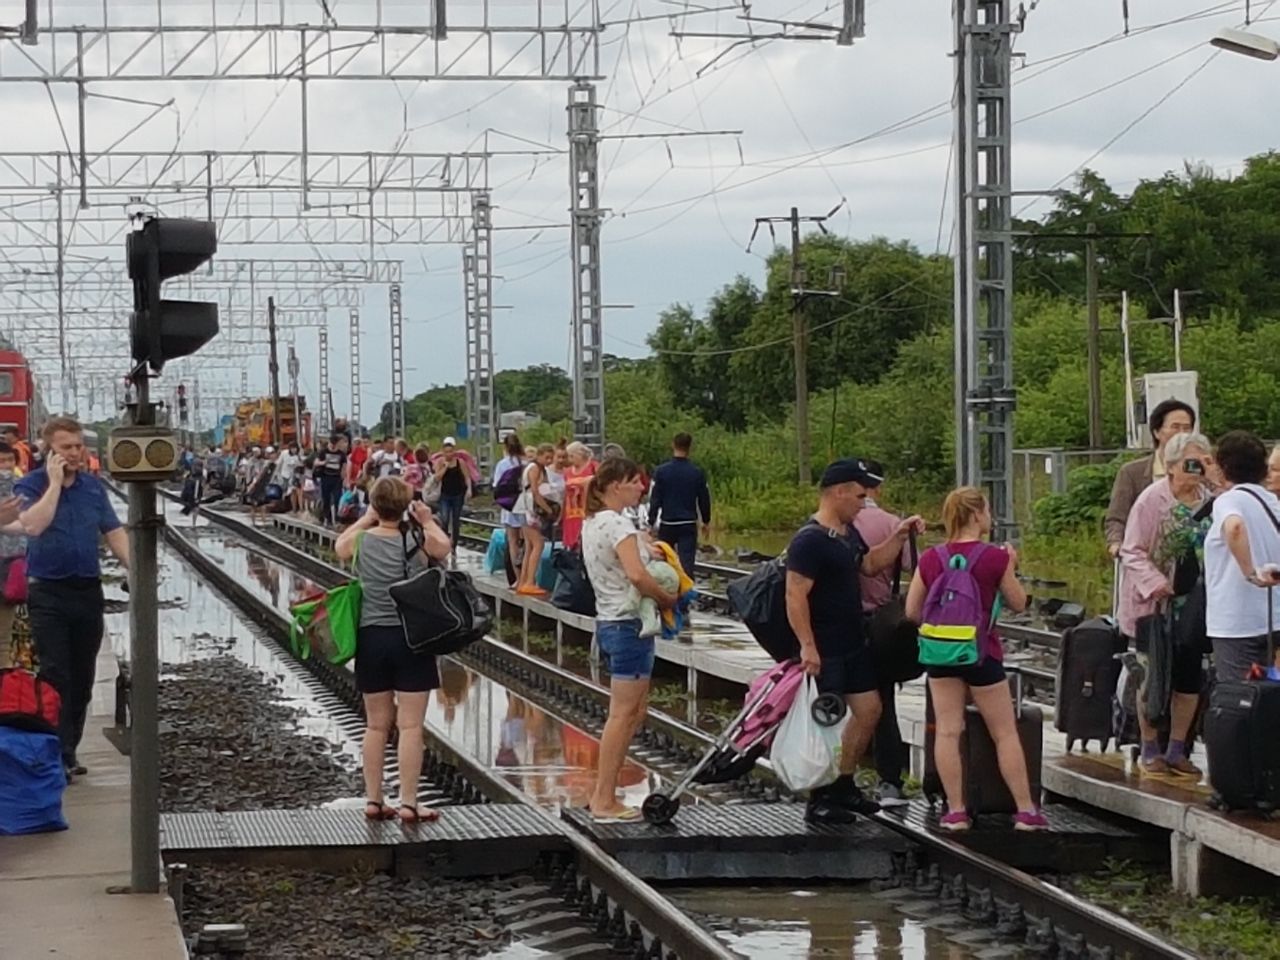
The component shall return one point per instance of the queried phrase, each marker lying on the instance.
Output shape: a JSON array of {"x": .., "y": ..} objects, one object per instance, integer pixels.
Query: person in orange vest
[{"x": 13, "y": 438}]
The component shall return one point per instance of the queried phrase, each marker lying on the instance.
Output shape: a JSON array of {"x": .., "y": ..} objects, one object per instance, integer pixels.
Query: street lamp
[{"x": 1250, "y": 44}]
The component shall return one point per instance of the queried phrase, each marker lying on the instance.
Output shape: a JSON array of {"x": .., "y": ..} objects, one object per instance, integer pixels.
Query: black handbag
[
  {"x": 1155, "y": 637},
  {"x": 573, "y": 590},
  {"x": 441, "y": 611},
  {"x": 892, "y": 636}
]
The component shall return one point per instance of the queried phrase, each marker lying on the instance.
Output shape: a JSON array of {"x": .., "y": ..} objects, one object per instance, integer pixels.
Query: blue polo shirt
[{"x": 69, "y": 545}]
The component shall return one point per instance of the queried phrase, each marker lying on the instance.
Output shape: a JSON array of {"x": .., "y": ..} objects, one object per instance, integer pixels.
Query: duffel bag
[
  {"x": 573, "y": 590},
  {"x": 28, "y": 702},
  {"x": 441, "y": 611},
  {"x": 32, "y": 780}
]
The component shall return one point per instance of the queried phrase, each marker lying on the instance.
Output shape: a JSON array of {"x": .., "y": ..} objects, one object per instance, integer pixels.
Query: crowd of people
[
  {"x": 332, "y": 480},
  {"x": 1194, "y": 527}
]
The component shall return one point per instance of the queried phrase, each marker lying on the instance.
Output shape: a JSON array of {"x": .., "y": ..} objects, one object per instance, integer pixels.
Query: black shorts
[
  {"x": 385, "y": 662},
  {"x": 984, "y": 673},
  {"x": 849, "y": 672}
]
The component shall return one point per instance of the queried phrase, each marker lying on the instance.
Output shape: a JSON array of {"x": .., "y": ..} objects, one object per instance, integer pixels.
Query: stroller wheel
[
  {"x": 828, "y": 710},
  {"x": 659, "y": 809}
]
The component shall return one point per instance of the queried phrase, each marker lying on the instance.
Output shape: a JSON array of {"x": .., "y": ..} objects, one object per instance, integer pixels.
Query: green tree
[
  {"x": 694, "y": 353},
  {"x": 890, "y": 293}
]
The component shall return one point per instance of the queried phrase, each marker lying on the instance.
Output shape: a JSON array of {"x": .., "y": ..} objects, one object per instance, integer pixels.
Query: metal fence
[{"x": 1041, "y": 471}]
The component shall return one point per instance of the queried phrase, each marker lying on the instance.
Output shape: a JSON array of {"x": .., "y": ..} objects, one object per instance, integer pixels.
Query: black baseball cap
[{"x": 852, "y": 470}]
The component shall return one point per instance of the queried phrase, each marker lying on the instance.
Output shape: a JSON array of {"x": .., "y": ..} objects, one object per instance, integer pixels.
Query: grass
[
  {"x": 1213, "y": 928},
  {"x": 1079, "y": 558}
]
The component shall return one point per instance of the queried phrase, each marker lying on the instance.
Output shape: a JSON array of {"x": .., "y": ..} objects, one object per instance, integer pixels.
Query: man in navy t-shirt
[
  {"x": 824, "y": 608},
  {"x": 64, "y": 513},
  {"x": 679, "y": 500}
]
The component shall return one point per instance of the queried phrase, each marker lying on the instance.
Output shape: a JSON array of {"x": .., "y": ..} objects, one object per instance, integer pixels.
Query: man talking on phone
[{"x": 65, "y": 511}]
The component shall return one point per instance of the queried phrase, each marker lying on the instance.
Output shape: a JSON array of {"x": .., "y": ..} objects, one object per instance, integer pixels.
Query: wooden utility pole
[
  {"x": 800, "y": 349},
  {"x": 276, "y": 423},
  {"x": 1094, "y": 337},
  {"x": 799, "y": 328}
]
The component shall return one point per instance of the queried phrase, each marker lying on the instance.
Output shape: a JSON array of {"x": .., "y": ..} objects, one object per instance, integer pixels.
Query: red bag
[
  {"x": 28, "y": 702},
  {"x": 15, "y": 582}
]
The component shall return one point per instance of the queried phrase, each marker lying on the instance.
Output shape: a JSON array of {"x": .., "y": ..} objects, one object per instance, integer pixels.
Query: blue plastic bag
[
  {"x": 32, "y": 779},
  {"x": 495, "y": 556},
  {"x": 546, "y": 576}
]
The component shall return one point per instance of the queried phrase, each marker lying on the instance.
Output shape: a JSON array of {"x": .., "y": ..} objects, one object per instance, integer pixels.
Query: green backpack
[{"x": 328, "y": 621}]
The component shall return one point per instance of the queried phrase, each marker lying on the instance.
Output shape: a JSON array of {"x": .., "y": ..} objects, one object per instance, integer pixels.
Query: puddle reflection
[
  {"x": 551, "y": 761},
  {"x": 836, "y": 921}
]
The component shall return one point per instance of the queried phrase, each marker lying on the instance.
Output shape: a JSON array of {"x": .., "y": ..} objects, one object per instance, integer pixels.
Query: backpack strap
[{"x": 1265, "y": 509}]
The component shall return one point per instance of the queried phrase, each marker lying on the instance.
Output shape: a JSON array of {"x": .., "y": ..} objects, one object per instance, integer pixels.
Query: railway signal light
[
  {"x": 161, "y": 330},
  {"x": 141, "y": 454}
]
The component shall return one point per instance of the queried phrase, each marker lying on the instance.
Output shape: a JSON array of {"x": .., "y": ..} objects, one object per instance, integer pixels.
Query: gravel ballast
[{"x": 229, "y": 742}]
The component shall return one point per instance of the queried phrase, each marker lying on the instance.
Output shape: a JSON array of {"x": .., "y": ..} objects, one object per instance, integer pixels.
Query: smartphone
[{"x": 1193, "y": 466}]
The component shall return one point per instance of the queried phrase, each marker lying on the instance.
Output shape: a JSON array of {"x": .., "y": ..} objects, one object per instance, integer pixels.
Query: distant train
[{"x": 20, "y": 403}]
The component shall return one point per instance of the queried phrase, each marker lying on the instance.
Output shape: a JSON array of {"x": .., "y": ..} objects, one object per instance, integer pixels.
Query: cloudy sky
[{"x": 821, "y": 125}]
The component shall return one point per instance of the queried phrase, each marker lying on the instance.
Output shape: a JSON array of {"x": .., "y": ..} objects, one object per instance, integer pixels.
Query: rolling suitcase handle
[{"x": 1016, "y": 672}]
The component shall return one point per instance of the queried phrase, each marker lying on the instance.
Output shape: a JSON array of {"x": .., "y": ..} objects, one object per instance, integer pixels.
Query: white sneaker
[{"x": 890, "y": 796}]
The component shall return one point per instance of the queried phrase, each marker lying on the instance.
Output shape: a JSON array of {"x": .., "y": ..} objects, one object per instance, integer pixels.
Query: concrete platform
[
  {"x": 745, "y": 842},
  {"x": 474, "y": 840},
  {"x": 1210, "y": 851},
  {"x": 55, "y": 901}
]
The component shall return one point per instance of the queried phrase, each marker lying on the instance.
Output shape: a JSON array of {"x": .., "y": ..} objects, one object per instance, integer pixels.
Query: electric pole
[
  {"x": 275, "y": 370},
  {"x": 800, "y": 349},
  {"x": 294, "y": 369},
  {"x": 799, "y": 328},
  {"x": 1094, "y": 337}
]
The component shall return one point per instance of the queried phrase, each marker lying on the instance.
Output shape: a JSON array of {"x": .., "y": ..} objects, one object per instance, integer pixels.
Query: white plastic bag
[{"x": 805, "y": 755}]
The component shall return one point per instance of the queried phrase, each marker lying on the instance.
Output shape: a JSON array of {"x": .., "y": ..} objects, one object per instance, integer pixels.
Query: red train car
[{"x": 19, "y": 401}]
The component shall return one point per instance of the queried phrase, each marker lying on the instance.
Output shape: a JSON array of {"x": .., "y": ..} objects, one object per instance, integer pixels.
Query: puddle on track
[
  {"x": 837, "y": 921},
  {"x": 548, "y": 759}
]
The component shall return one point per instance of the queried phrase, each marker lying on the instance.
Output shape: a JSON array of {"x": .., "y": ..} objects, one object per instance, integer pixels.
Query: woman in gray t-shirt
[{"x": 394, "y": 680}]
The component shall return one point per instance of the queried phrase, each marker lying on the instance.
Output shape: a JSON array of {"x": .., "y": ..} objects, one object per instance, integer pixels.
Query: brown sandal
[
  {"x": 420, "y": 814},
  {"x": 377, "y": 810}
]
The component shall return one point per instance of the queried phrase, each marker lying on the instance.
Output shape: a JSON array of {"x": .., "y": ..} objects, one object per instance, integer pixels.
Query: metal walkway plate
[
  {"x": 1076, "y": 840},
  {"x": 750, "y": 841},
  {"x": 466, "y": 840}
]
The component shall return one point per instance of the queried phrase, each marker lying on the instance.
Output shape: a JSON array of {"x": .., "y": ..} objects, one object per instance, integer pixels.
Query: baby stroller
[{"x": 746, "y": 737}]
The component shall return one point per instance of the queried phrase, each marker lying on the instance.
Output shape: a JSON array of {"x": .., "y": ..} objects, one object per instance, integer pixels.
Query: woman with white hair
[
  {"x": 1162, "y": 559},
  {"x": 582, "y": 467}
]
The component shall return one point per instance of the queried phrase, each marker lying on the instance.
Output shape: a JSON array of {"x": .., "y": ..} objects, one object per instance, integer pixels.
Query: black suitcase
[
  {"x": 1088, "y": 671},
  {"x": 1242, "y": 734},
  {"x": 984, "y": 788}
]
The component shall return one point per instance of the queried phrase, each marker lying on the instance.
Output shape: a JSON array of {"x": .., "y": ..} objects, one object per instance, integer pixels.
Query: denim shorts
[{"x": 627, "y": 655}]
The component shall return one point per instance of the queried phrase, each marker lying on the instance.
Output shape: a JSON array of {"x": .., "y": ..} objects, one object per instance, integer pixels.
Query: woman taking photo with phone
[
  {"x": 394, "y": 681},
  {"x": 1160, "y": 557}
]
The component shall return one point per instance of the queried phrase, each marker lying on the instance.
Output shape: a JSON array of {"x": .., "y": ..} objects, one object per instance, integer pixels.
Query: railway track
[
  {"x": 622, "y": 912},
  {"x": 1048, "y": 919}
]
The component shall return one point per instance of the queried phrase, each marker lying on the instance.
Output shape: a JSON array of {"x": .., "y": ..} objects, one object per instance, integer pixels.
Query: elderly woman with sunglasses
[{"x": 1161, "y": 556}]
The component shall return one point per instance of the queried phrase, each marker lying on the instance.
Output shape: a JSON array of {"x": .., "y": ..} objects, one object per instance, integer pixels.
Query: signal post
[{"x": 142, "y": 453}]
